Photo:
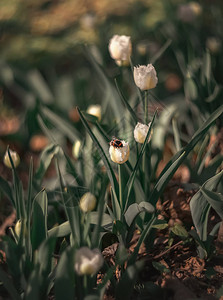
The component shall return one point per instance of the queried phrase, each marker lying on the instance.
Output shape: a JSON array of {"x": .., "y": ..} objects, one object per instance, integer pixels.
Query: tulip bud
[
  {"x": 119, "y": 154},
  {"x": 140, "y": 132},
  {"x": 145, "y": 77},
  {"x": 76, "y": 149},
  {"x": 120, "y": 48},
  {"x": 18, "y": 227},
  {"x": 15, "y": 159},
  {"x": 87, "y": 261},
  {"x": 87, "y": 202},
  {"x": 95, "y": 110}
]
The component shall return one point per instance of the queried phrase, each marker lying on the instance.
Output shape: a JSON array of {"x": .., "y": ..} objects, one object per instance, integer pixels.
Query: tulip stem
[
  {"x": 120, "y": 186},
  {"x": 146, "y": 100}
]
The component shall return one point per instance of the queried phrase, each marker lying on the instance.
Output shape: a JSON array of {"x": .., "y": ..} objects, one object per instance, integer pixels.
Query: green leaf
[
  {"x": 7, "y": 190},
  {"x": 179, "y": 157},
  {"x": 71, "y": 208},
  {"x": 44, "y": 256},
  {"x": 64, "y": 278},
  {"x": 179, "y": 230},
  {"x": 160, "y": 267},
  {"x": 160, "y": 224},
  {"x": 135, "y": 209},
  {"x": 203, "y": 200},
  {"x": 39, "y": 226},
  {"x": 106, "y": 219},
  {"x": 8, "y": 284},
  {"x": 125, "y": 102},
  {"x": 61, "y": 124},
  {"x": 60, "y": 230},
  {"x": 45, "y": 159},
  {"x": 110, "y": 172},
  {"x": 215, "y": 200},
  {"x": 130, "y": 182}
]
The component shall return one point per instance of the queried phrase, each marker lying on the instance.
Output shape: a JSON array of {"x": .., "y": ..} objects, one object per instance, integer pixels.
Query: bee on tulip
[{"x": 116, "y": 143}]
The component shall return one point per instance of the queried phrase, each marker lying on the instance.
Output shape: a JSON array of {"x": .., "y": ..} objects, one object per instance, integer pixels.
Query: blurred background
[{"x": 51, "y": 53}]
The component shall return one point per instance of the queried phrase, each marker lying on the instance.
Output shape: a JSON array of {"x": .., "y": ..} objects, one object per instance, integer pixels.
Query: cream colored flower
[
  {"x": 95, "y": 110},
  {"x": 18, "y": 227},
  {"x": 15, "y": 159},
  {"x": 120, "y": 48},
  {"x": 87, "y": 261},
  {"x": 119, "y": 155},
  {"x": 87, "y": 202},
  {"x": 213, "y": 44},
  {"x": 145, "y": 77},
  {"x": 140, "y": 132},
  {"x": 76, "y": 149}
]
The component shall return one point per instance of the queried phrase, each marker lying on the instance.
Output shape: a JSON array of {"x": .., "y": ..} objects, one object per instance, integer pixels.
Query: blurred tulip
[
  {"x": 120, "y": 48},
  {"x": 87, "y": 261},
  {"x": 95, "y": 110},
  {"x": 87, "y": 202}
]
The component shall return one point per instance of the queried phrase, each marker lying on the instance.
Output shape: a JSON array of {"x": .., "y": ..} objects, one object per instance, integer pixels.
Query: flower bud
[
  {"x": 119, "y": 154},
  {"x": 120, "y": 48},
  {"x": 15, "y": 159},
  {"x": 145, "y": 77},
  {"x": 87, "y": 202},
  {"x": 140, "y": 132},
  {"x": 18, "y": 227},
  {"x": 87, "y": 261},
  {"x": 76, "y": 149},
  {"x": 95, "y": 110}
]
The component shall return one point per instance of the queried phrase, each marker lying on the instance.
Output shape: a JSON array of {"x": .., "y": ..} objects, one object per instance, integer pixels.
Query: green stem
[
  {"x": 120, "y": 187},
  {"x": 146, "y": 98}
]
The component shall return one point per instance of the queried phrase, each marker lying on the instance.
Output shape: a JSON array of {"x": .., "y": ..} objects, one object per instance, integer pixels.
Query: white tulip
[
  {"x": 120, "y": 48},
  {"x": 145, "y": 77},
  {"x": 119, "y": 155},
  {"x": 95, "y": 110},
  {"x": 87, "y": 261},
  {"x": 87, "y": 202},
  {"x": 140, "y": 132},
  {"x": 15, "y": 159}
]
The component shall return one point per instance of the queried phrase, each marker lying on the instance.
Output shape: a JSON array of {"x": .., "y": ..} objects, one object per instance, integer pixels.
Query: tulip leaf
[
  {"x": 60, "y": 230},
  {"x": 209, "y": 195},
  {"x": 135, "y": 209},
  {"x": 61, "y": 124},
  {"x": 9, "y": 285},
  {"x": 7, "y": 190},
  {"x": 130, "y": 182},
  {"x": 71, "y": 208},
  {"x": 110, "y": 172},
  {"x": 179, "y": 157},
  {"x": 106, "y": 219},
  {"x": 131, "y": 111},
  {"x": 45, "y": 159},
  {"x": 39, "y": 226}
]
